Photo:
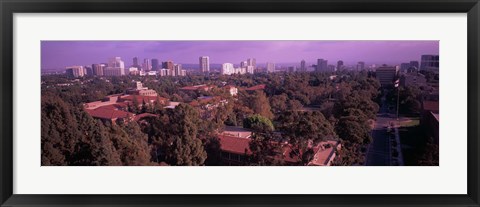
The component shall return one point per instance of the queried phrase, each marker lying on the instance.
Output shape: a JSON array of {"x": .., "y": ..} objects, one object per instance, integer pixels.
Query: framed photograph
[{"x": 260, "y": 103}]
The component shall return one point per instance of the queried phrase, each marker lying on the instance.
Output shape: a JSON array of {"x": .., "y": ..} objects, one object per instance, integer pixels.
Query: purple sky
[{"x": 58, "y": 54}]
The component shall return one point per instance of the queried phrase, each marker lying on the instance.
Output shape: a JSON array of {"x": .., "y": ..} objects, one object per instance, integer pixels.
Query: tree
[
  {"x": 258, "y": 123},
  {"x": 176, "y": 136},
  {"x": 354, "y": 127},
  {"x": 258, "y": 102}
]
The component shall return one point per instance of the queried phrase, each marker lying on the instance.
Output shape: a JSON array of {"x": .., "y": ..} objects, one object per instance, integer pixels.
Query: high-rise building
[
  {"x": 98, "y": 69},
  {"x": 430, "y": 63},
  {"x": 414, "y": 63},
  {"x": 404, "y": 67},
  {"x": 291, "y": 69},
  {"x": 227, "y": 69},
  {"x": 204, "y": 64},
  {"x": 339, "y": 65},
  {"x": 177, "y": 70},
  {"x": 243, "y": 64},
  {"x": 116, "y": 67},
  {"x": 270, "y": 67},
  {"x": 155, "y": 64},
  {"x": 303, "y": 66},
  {"x": 168, "y": 65},
  {"x": 331, "y": 68},
  {"x": 135, "y": 62},
  {"x": 250, "y": 69},
  {"x": 88, "y": 71},
  {"x": 322, "y": 65},
  {"x": 252, "y": 62},
  {"x": 75, "y": 71},
  {"x": 386, "y": 75},
  {"x": 147, "y": 64},
  {"x": 360, "y": 65}
]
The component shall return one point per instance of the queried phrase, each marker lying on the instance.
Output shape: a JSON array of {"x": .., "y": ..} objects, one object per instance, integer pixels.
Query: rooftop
[{"x": 104, "y": 113}]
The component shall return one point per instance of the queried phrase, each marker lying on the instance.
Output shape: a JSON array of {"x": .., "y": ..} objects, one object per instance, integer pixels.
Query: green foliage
[{"x": 258, "y": 123}]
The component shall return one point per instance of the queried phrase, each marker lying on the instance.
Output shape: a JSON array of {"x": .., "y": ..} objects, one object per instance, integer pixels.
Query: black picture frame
[{"x": 10, "y": 7}]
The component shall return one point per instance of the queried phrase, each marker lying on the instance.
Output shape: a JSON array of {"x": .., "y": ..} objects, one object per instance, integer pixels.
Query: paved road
[{"x": 378, "y": 153}]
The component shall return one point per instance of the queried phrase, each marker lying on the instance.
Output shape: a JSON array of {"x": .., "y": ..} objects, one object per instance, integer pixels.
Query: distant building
[
  {"x": 410, "y": 79},
  {"x": 155, "y": 64},
  {"x": 386, "y": 75},
  {"x": 75, "y": 71},
  {"x": 339, "y": 65},
  {"x": 116, "y": 67},
  {"x": 250, "y": 69},
  {"x": 430, "y": 119},
  {"x": 270, "y": 67},
  {"x": 361, "y": 65},
  {"x": 430, "y": 63},
  {"x": 204, "y": 62},
  {"x": 227, "y": 69},
  {"x": 331, "y": 68},
  {"x": 232, "y": 90},
  {"x": 168, "y": 65},
  {"x": 139, "y": 89},
  {"x": 88, "y": 71},
  {"x": 404, "y": 67},
  {"x": 133, "y": 71},
  {"x": 252, "y": 62},
  {"x": 292, "y": 69},
  {"x": 243, "y": 64},
  {"x": 303, "y": 66},
  {"x": 147, "y": 64},
  {"x": 178, "y": 70},
  {"x": 98, "y": 69},
  {"x": 135, "y": 62},
  {"x": 322, "y": 65},
  {"x": 414, "y": 63}
]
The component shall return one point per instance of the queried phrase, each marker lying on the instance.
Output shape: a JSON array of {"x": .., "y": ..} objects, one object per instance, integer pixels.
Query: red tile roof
[
  {"x": 235, "y": 145},
  {"x": 257, "y": 87},
  {"x": 103, "y": 113},
  {"x": 115, "y": 106},
  {"x": 141, "y": 99}
]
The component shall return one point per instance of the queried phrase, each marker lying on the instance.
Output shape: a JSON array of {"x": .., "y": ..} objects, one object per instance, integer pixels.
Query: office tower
[
  {"x": 98, "y": 69},
  {"x": 135, "y": 62},
  {"x": 116, "y": 67},
  {"x": 414, "y": 64},
  {"x": 252, "y": 62},
  {"x": 155, "y": 64},
  {"x": 430, "y": 63},
  {"x": 243, "y": 64},
  {"x": 292, "y": 69},
  {"x": 168, "y": 65},
  {"x": 270, "y": 67},
  {"x": 360, "y": 65},
  {"x": 303, "y": 66},
  {"x": 322, "y": 65},
  {"x": 404, "y": 67},
  {"x": 386, "y": 75},
  {"x": 331, "y": 68},
  {"x": 177, "y": 70},
  {"x": 250, "y": 69},
  {"x": 339, "y": 65},
  {"x": 75, "y": 71},
  {"x": 88, "y": 71},
  {"x": 147, "y": 64},
  {"x": 204, "y": 64},
  {"x": 227, "y": 69}
]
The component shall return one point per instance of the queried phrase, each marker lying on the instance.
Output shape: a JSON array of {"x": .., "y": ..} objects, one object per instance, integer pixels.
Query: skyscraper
[
  {"x": 270, "y": 67},
  {"x": 98, "y": 69},
  {"x": 116, "y": 67},
  {"x": 322, "y": 65},
  {"x": 243, "y": 64},
  {"x": 227, "y": 69},
  {"x": 75, "y": 71},
  {"x": 339, "y": 65},
  {"x": 168, "y": 65},
  {"x": 386, "y": 75},
  {"x": 155, "y": 64},
  {"x": 252, "y": 62},
  {"x": 430, "y": 62},
  {"x": 414, "y": 64},
  {"x": 204, "y": 64},
  {"x": 303, "y": 66},
  {"x": 135, "y": 62},
  {"x": 360, "y": 65},
  {"x": 177, "y": 70},
  {"x": 147, "y": 64}
]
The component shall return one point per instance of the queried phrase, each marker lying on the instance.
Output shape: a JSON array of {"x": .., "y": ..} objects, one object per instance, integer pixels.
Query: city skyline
[{"x": 59, "y": 54}]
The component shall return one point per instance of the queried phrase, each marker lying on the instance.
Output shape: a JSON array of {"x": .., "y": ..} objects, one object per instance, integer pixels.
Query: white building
[
  {"x": 75, "y": 71},
  {"x": 116, "y": 67},
  {"x": 147, "y": 64},
  {"x": 250, "y": 69},
  {"x": 227, "y": 69},
  {"x": 271, "y": 67},
  {"x": 204, "y": 64}
]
